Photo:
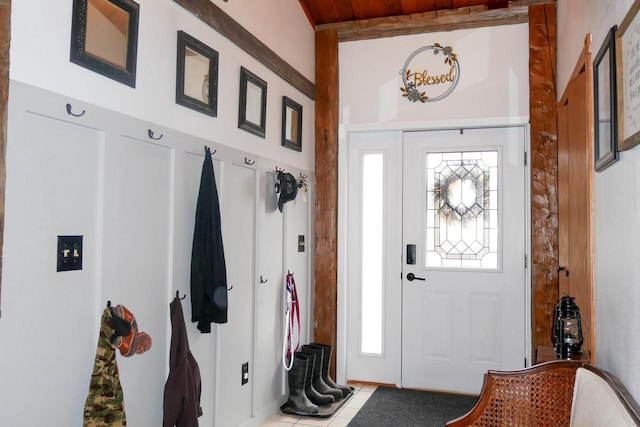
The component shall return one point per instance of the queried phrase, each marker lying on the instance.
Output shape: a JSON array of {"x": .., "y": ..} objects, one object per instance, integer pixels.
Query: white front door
[{"x": 464, "y": 234}]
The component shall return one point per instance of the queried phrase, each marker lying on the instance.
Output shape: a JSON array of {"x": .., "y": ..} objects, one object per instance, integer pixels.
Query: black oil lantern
[{"x": 567, "y": 328}]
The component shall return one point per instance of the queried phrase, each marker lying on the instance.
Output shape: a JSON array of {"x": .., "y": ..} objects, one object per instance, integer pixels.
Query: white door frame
[{"x": 343, "y": 144}]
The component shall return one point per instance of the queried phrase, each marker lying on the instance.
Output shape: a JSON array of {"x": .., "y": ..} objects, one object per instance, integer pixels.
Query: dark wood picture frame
[
  {"x": 605, "y": 104},
  {"x": 196, "y": 75},
  {"x": 111, "y": 49},
  {"x": 627, "y": 56},
  {"x": 291, "y": 124},
  {"x": 252, "y": 114}
]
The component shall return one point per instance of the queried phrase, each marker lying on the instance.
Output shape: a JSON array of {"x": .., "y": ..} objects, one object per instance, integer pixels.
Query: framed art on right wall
[
  {"x": 604, "y": 97},
  {"x": 628, "y": 78}
]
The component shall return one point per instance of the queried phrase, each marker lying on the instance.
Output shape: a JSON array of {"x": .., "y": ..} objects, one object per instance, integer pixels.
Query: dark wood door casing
[
  {"x": 326, "y": 222},
  {"x": 544, "y": 171},
  {"x": 5, "y": 36}
]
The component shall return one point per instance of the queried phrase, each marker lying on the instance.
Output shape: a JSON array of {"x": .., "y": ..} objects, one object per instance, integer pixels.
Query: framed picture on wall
[
  {"x": 197, "y": 75},
  {"x": 104, "y": 38},
  {"x": 605, "y": 117},
  {"x": 291, "y": 124},
  {"x": 628, "y": 61},
  {"x": 252, "y": 114}
]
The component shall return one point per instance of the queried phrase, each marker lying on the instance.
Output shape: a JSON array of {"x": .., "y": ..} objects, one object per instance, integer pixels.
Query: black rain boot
[
  {"x": 317, "y": 382},
  {"x": 313, "y": 395},
  {"x": 298, "y": 400},
  {"x": 326, "y": 362}
]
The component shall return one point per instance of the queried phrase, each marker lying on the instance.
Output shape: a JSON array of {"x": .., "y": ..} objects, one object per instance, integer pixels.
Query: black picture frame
[
  {"x": 196, "y": 75},
  {"x": 104, "y": 38},
  {"x": 605, "y": 104},
  {"x": 291, "y": 124},
  {"x": 252, "y": 114}
]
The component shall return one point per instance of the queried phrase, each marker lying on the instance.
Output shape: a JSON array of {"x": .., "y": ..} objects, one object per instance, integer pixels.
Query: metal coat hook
[
  {"x": 109, "y": 304},
  {"x": 250, "y": 163},
  {"x": 302, "y": 184},
  {"x": 263, "y": 280},
  {"x": 278, "y": 184},
  {"x": 212, "y": 151},
  {"x": 150, "y": 132},
  {"x": 71, "y": 113},
  {"x": 230, "y": 288},
  {"x": 180, "y": 297}
]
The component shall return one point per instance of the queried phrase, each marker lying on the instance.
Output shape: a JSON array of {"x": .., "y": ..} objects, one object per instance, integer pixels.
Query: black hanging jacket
[{"x": 208, "y": 268}]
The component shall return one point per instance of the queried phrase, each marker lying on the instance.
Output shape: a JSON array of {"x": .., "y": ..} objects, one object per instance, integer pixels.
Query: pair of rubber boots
[{"x": 309, "y": 381}]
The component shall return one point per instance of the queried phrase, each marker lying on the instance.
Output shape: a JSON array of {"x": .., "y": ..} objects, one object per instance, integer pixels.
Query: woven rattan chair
[{"x": 537, "y": 396}]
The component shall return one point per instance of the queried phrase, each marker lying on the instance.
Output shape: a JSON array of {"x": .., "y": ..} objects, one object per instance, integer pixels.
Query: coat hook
[
  {"x": 303, "y": 181},
  {"x": 180, "y": 297},
  {"x": 109, "y": 304},
  {"x": 278, "y": 170},
  {"x": 150, "y": 132},
  {"x": 71, "y": 113},
  {"x": 249, "y": 162},
  {"x": 211, "y": 151},
  {"x": 230, "y": 288},
  {"x": 263, "y": 280}
]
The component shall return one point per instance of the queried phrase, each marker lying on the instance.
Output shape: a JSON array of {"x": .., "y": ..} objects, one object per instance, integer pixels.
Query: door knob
[{"x": 411, "y": 277}]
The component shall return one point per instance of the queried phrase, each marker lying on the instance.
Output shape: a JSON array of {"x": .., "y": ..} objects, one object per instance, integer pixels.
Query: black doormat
[{"x": 394, "y": 407}]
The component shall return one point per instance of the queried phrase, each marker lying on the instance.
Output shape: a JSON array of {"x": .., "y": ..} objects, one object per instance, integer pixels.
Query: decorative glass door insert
[{"x": 462, "y": 216}]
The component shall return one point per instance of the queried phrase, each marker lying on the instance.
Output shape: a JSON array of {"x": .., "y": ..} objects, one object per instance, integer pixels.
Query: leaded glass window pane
[{"x": 462, "y": 210}]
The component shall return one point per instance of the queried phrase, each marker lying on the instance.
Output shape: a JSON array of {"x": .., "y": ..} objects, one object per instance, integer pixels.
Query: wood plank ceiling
[
  {"x": 369, "y": 19},
  {"x": 322, "y": 12}
]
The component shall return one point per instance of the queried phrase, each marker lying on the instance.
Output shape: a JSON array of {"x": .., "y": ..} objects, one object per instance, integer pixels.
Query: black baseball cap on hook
[{"x": 287, "y": 186}]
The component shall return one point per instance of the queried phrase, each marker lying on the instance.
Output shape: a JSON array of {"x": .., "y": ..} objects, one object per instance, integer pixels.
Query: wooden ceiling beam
[
  {"x": 442, "y": 20},
  {"x": 224, "y": 24}
]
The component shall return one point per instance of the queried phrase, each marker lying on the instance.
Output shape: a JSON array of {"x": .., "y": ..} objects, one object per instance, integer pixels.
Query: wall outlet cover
[{"x": 245, "y": 373}]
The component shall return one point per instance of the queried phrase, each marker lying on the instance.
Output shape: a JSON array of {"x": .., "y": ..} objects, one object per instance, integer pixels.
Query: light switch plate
[{"x": 69, "y": 254}]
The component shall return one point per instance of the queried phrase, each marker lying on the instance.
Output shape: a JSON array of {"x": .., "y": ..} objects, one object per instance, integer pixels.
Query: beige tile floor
[{"x": 339, "y": 419}]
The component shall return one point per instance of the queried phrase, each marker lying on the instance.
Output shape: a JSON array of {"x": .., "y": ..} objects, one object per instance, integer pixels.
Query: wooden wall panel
[
  {"x": 544, "y": 170},
  {"x": 5, "y": 36},
  {"x": 575, "y": 193},
  {"x": 326, "y": 226}
]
